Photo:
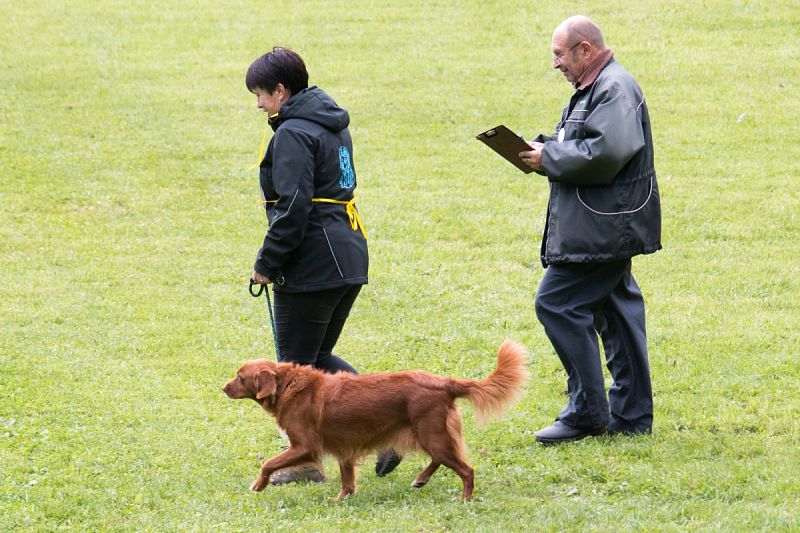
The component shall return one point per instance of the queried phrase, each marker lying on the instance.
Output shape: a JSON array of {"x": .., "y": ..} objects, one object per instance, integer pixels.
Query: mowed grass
[{"x": 129, "y": 223}]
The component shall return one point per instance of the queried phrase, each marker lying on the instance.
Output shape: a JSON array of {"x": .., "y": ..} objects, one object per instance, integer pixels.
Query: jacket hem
[
  {"x": 596, "y": 258},
  {"x": 290, "y": 287}
]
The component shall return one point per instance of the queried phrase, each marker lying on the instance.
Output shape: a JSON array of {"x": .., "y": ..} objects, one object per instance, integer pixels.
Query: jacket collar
[{"x": 594, "y": 68}]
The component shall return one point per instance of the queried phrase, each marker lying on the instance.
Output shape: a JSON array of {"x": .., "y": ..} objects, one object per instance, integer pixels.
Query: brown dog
[{"x": 348, "y": 415}]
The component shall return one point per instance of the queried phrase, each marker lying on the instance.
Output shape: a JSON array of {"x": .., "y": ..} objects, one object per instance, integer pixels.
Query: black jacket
[
  {"x": 604, "y": 202},
  {"x": 311, "y": 245}
]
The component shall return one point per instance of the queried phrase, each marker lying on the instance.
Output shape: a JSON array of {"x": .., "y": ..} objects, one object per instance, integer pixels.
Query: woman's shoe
[
  {"x": 387, "y": 461},
  {"x": 295, "y": 474}
]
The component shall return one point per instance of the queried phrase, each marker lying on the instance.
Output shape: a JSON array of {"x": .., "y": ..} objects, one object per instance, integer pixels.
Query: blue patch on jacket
[{"x": 348, "y": 178}]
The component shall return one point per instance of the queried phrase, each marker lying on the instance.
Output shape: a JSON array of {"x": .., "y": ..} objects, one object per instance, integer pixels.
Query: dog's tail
[{"x": 493, "y": 395}]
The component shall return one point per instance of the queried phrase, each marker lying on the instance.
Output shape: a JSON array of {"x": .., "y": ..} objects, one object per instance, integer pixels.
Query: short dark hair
[{"x": 281, "y": 65}]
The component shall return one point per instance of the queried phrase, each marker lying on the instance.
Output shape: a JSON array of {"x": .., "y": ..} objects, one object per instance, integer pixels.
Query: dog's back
[{"x": 361, "y": 413}]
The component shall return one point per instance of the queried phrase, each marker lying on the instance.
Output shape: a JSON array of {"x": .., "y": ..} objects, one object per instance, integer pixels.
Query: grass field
[{"x": 129, "y": 223}]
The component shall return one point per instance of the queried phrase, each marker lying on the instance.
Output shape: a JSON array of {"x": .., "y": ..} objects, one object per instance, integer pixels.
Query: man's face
[{"x": 568, "y": 57}]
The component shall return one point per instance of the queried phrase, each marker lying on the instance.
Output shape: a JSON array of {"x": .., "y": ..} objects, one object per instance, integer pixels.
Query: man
[{"x": 604, "y": 208}]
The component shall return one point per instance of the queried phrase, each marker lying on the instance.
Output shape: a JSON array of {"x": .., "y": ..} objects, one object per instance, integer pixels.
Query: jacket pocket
[
  {"x": 333, "y": 253},
  {"x": 347, "y": 248},
  {"x": 621, "y": 198},
  {"x": 574, "y": 125}
]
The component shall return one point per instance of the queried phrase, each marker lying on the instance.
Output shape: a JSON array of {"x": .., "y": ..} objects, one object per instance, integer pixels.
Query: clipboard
[{"x": 508, "y": 144}]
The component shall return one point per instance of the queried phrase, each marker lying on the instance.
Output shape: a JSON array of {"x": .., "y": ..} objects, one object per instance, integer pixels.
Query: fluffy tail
[{"x": 493, "y": 395}]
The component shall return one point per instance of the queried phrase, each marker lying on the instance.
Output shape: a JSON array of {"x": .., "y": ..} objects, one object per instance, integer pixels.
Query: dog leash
[{"x": 271, "y": 317}]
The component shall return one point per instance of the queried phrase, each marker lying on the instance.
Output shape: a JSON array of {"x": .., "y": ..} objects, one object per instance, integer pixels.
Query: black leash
[{"x": 271, "y": 317}]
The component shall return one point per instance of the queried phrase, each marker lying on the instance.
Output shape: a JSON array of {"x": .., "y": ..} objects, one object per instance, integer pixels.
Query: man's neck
[{"x": 593, "y": 69}]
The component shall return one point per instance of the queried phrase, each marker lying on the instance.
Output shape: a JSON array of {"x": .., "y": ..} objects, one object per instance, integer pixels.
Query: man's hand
[
  {"x": 258, "y": 279},
  {"x": 533, "y": 158}
]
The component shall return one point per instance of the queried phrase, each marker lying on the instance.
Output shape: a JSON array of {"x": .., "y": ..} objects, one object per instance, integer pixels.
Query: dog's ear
[{"x": 265, "y": 384}]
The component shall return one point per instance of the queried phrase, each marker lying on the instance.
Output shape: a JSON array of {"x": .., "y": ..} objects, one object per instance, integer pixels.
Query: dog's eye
[{"x": 238, "y": 379}]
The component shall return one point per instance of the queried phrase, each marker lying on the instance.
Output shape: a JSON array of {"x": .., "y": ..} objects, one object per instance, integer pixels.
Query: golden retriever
[{"x": 348, "y": 415}]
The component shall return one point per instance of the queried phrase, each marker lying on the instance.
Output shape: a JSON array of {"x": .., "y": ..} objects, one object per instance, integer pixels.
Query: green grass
[{"x": 129, "y": 222}]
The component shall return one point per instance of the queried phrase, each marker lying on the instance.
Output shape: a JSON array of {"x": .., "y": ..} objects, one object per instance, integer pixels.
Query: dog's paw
[
  {"x": 259, "y": 484},
  {"x": 344, "y": 493}
]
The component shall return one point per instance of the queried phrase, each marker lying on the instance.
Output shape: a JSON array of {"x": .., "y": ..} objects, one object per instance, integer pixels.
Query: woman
[{"x": 315, "y": 251}]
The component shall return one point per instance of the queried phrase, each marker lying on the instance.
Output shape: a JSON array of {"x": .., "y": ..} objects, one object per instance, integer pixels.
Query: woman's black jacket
[{"x": 312, "y": 243}]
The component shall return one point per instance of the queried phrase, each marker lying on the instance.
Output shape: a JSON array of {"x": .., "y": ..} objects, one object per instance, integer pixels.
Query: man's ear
[{"x": 265, "y": 384}]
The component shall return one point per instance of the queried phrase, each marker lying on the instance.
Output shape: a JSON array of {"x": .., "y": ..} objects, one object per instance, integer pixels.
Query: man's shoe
[
  {"x": 561, "y": 432},
  {"x": 628, "y": 431},
  {"x": 387, "y": 461},
  {"x": 295, "y": 474}
]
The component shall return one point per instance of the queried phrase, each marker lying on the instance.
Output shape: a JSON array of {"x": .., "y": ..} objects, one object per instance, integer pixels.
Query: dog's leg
[
  {"x": 425, "y": 475},
  {"x": 294, "y": 456},
  {"x": 467, "y": 475},
  {"x": 455, "y": 463},
  {"x": 347, "y": 471},
  {"x": 439, "y": 434}
]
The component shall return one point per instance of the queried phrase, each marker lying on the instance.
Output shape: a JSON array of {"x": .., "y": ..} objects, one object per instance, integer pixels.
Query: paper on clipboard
[{"x": 508, "y": 144}]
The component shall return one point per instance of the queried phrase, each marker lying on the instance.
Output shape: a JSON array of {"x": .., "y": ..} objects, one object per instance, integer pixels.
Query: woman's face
[{"x": 271, "y": 102}]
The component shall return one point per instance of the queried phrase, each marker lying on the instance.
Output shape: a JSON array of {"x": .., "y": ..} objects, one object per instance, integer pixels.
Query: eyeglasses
[{"x": 557, "y": 57}]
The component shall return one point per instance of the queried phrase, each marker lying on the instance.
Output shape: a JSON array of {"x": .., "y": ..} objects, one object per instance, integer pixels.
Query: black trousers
[
  {"x": 575, "y": 303},
  {"x": 308, "y": 325}
]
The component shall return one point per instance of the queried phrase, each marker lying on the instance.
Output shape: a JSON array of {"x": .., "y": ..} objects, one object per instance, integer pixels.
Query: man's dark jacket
[
  {"x": 310, "y": 245},
  {"x": 604, "y": 202}
]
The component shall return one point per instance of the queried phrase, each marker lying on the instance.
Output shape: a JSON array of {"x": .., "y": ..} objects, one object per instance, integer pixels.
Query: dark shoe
[
  {"x": 614, "y": 429},
  {"x": 387, "y": 461},
  {"x": 293, "y": 475},
  {"x": 561, "y": 432}
]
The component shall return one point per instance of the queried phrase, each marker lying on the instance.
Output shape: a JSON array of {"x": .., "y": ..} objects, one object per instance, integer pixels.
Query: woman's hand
[{"x": 258, "y": 279}]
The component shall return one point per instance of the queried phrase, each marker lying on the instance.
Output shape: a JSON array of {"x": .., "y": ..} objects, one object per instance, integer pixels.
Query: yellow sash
[{"x": 350, "y": 207}]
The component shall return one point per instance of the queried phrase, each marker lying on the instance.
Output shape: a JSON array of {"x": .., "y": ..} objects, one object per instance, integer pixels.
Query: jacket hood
[{"x": 315, "y": 105}]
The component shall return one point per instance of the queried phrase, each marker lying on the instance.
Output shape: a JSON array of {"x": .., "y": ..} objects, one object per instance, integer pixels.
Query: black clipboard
[{"x": 508, "y": 144}]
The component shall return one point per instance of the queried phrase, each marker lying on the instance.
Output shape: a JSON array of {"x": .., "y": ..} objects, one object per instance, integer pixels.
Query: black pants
[
  {"x": 575, "y": 303},
  {"x": 308, "y": 325}
]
